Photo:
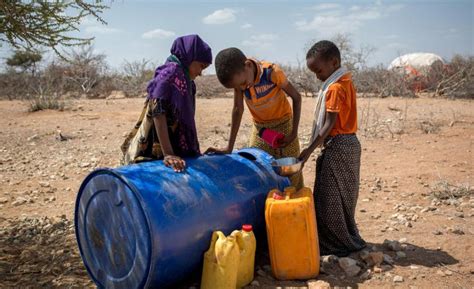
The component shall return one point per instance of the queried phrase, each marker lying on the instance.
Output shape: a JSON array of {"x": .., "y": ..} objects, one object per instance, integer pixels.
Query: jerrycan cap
[
  {"x": 247, "y": 228},
  {"x": 277, "y": 195}
]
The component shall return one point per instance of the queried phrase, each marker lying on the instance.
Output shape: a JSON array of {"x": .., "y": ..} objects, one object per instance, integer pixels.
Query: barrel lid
[
  {"x": 247, "y": 228},
  {"x": 112, "y": 232}
]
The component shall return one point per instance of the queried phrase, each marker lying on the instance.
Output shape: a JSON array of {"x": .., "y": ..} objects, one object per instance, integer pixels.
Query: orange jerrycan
[
  {"x": 292, "y": 234},
  {"x": 221, "y": 263},
  {"x": 247, "y": 245}
]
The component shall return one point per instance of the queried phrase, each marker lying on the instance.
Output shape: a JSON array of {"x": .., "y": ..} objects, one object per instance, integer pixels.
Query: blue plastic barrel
[{"x": 145, "y": 226}]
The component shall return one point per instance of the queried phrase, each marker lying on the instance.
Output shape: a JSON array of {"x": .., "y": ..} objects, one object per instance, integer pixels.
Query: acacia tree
[
  {"x": 24, "y": 59},
  {"x": 85, "y": 68},
  {"x": 28, "y": 24}
]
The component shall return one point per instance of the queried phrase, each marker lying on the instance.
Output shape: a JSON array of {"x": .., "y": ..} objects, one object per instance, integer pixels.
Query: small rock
[
  {"x": 261, "y": 273},
  {"x": 84, "y": 165},
  {"x": 318, "y": 284},
  {"x": 458, "y": 231},
  {"x": 3, "y": 200},
  {"x": 448, "y": 273},
  {"x": 33, "y": 137},
  {"x": 392, "y": 245},
  {"x": 413, "y": 267},
  {"x": 346, "y": 262},
  {"x": 459, "y": 215},
  {"x": 403, "y": 240},
  {"x": 440, "y": 273},
  {"x": 387, "y": 259},
  {"x": 374, "y": 259},
  {"x": 376, "y": 216},
  {"x": 386, "y": 268},
  {"x": 44, "y": 184},
  {"x": 349, "y": 266},
  {"x": 331, "y": 259},
  {"x": 398, "y": 279},
  {"x": 366, "y": 275},
  {"x": 437, "y": 232},
  {"x": 19, "y": 201},
  {"x": 377, "y": 270},
  {"x": 255, "y": 283},
  {"x": 401, "y": 255},
  {"x": 364, "y": 254}
]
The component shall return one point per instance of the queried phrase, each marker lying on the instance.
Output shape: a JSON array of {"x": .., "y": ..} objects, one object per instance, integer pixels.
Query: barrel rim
[{"x": 132, "y": 188}]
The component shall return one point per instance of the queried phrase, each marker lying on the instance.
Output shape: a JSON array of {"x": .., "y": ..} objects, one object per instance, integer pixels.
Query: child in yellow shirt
[{"x": 264, "y": 87}]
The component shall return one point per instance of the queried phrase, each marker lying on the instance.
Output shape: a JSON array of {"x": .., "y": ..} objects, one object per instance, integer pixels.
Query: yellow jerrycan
[
  {"x": 221, "y": 263},
  {"x": 247, "y": 246},
  {"x": 292, "y": 234}
]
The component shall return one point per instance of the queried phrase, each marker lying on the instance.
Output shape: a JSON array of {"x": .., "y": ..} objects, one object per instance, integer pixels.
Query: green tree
[
  {"x": 24, "y": 59},
  {"x": 27, "y": 24}
]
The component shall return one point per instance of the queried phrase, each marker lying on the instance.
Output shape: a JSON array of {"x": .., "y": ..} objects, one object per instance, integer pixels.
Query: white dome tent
[{"x": 416, "y": 63}]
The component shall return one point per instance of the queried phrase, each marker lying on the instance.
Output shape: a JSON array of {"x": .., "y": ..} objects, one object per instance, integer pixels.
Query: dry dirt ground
[{"x": 416, "y": 177}]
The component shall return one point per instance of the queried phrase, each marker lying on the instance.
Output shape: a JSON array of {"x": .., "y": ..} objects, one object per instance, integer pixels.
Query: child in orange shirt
[
  {"x": 336, "y": 186},
  {"x": 264, "y": 87}
]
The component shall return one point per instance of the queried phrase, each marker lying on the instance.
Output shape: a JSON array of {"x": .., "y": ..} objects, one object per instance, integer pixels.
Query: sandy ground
[{"x": 412, "y": 148}]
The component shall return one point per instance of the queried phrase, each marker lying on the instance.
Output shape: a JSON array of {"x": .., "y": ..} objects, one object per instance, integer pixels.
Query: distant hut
[{"x": 418, "y": 67}]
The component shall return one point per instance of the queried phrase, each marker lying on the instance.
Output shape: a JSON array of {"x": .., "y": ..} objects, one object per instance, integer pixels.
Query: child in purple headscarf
[{"x": 172, "y": 103}]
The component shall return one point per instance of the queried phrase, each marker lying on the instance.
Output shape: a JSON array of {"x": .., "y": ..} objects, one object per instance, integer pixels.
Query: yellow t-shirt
[{"x": 266, "y": 99}]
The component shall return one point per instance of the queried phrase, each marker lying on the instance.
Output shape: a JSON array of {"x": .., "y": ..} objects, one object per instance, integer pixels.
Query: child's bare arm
[
  {"x": 296, "y": 97},
  {"x": 331, "y": 118},
  {"x": 237, "y": 112}
]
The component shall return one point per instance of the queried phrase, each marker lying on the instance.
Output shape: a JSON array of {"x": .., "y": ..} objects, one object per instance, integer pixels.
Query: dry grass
[
  {"x": 46, "y": 102},
  {"x": 443, "y": 190}
]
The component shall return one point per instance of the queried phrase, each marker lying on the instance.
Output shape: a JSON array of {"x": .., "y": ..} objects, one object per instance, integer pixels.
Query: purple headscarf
[
  {"x": 176, "y": 91},
  {"x": 191, "y": 48}
]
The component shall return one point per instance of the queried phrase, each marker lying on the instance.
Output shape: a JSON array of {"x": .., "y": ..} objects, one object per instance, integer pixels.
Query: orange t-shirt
[
  {"x": 341, "y": 98},
  {"x": 266, "y": 99}
]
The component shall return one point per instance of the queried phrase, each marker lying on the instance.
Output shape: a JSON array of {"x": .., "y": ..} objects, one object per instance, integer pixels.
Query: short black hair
[
  {"x": 229, "y": 62},
  {"x": 325, "y": 49}
]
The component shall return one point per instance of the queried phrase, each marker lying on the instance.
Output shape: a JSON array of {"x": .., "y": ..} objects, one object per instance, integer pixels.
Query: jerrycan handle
[
  {"x": 239, "y": 238},
  {"x": 215, "y": 235},
  {"x": 289, "y": 192}
]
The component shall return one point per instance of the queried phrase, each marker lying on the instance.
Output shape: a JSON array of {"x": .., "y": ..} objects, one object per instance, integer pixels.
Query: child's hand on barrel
[{"x": 175, "y": 162}]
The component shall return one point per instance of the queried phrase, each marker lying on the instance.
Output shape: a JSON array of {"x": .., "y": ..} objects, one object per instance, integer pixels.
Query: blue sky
[{"x": 279, "y": 31}]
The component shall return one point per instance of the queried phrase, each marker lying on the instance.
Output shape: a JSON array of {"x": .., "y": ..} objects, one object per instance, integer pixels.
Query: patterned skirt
[
  {"x": 335, "y": 195},
  {"x": 284, "y": 126}
]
